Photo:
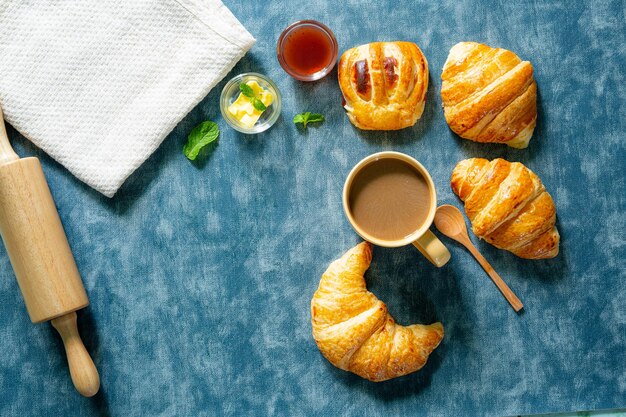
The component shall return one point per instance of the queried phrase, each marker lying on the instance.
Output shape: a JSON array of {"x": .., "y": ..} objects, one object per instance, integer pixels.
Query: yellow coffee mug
[{"x": 422, "y": 238}]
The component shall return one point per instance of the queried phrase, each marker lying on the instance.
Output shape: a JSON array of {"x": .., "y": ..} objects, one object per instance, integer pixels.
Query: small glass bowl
[
  {"x": 280, "y": 49},
  {"x": 231, "y": 92}
]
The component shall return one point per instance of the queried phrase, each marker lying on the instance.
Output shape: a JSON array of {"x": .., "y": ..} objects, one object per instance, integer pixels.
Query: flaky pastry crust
[
  {"x": 354, "y": 330},
  {"x": 489, "y": 95},
  {"x": 384, "y": 84},
  {"x": 508, "y": 206}
]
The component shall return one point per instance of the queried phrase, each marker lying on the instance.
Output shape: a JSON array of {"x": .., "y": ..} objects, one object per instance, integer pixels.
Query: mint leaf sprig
[
  {"x": 248, "y": 92},
  {"x": 200, "y": 136},
  {"x": 308, "y": 117}
]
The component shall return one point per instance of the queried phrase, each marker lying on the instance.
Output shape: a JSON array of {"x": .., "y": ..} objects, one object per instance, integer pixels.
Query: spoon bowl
[{"x": 450, "y": 221}]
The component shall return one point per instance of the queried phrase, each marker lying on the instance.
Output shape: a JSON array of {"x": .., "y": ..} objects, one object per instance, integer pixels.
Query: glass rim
[
  {"x": 257, "y": 128},
  {"x": 316, "y": 75}
]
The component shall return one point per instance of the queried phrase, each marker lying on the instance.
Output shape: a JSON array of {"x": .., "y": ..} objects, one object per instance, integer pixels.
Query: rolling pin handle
[{"x": 82, "y": 369}]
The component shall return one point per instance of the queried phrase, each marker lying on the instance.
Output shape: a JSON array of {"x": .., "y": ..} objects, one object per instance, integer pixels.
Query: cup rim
[
  {"x": 411, "y": 161},
  {"x": 316, "y": 75}
]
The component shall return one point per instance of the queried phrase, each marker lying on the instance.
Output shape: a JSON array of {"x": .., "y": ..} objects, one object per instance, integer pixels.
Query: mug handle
[{"x": 432, "y": 249}]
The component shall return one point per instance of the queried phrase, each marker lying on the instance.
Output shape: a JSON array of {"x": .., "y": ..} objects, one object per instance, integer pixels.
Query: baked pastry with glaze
[
  {"x": 508, "y": 206},
  {"x": 354, "y": 330},
  {"x": 489, "y": 95},
  {"x": 384, "y": 85}
]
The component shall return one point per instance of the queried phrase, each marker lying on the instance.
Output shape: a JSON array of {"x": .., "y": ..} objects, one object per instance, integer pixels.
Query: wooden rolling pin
[{"x": 41, "y": 257}]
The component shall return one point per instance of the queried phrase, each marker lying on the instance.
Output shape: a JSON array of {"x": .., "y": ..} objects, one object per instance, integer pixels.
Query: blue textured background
[{"x": 200, "y": 274}]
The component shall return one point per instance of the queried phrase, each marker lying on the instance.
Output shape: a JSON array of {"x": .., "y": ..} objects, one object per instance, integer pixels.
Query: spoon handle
[{"x": 504, "y": 289}]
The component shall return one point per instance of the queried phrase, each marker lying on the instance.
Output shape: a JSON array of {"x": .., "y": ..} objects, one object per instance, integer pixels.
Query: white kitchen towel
[{"x": 98, "y": 84}]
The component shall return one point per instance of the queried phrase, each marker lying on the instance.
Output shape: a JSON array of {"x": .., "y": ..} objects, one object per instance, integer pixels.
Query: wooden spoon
[{"x": 450, "y": 221}]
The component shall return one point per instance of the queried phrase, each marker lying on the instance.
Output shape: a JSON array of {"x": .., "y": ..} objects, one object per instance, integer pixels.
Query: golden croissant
[
  {"x": 508, "y": 206},
  {"x": 354, "y": 330},
  {"x": 489, "y": 95},
  {"x": 383, "y": 84}
]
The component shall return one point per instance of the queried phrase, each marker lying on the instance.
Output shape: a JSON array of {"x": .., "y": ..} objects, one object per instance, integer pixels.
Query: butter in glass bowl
[{"x": 239, "y": 109}]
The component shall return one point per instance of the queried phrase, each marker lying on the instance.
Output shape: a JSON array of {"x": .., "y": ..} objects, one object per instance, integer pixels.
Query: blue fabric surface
[{"x": 200, "y": 274}]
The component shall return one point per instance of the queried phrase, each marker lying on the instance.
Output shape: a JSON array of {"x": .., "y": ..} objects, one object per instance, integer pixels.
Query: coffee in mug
[{"x": 390, "y": 200}]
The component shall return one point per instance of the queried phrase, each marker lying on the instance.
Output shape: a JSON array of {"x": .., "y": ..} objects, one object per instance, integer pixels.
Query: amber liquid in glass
[{"x": 307, "y": 50}]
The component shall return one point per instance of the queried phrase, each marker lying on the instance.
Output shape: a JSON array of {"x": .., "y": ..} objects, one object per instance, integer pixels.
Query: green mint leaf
[
  {"x": 246, "y": 90},
  {"x": 200, "y": 136},
  {"x": 305, "y": 118},
  {"x": 299, "y": 118},
  {"x": 258, "y": 104},
  {"x": 316, "y": 118},
  {"x": 308, "y": 117}
]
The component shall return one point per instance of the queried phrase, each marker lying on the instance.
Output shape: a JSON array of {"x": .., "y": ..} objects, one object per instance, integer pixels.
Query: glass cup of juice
[{"x": 307, "y": 50}]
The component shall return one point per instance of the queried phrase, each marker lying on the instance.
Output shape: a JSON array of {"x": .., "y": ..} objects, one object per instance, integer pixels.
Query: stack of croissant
[{"x": 489, "y": 95}]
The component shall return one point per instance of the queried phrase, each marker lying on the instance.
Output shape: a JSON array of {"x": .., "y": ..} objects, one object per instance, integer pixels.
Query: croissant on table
[
  {"x": 508, "y": 206},
  {"x": 383, "y": 84},
  {"x": 489, "y": 95},
  {"x": 354, "y": 330}
]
